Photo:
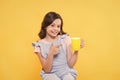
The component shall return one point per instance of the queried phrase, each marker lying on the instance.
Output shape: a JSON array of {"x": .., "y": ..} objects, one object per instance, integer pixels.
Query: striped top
[{"x": 59, "y": 65}]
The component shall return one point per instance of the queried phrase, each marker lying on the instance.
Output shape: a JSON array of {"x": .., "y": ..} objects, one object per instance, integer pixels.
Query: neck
[{"x": 50, "y": 39}]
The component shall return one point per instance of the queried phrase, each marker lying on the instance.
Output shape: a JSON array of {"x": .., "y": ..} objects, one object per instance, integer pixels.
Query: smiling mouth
[{"x": 54, "y": 32}]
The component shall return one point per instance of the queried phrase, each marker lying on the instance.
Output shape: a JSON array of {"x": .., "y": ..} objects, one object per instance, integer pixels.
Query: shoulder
[
  {"x": 65, "y": 36},
  {"x": 36, "y": 43}
]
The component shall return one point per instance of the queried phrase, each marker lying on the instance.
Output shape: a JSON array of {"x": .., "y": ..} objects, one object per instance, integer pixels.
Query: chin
[{"x": 54, "y": 36}]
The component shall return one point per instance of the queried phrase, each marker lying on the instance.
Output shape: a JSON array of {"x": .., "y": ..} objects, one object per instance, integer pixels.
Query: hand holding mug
[{"x": 77, "y": 43}]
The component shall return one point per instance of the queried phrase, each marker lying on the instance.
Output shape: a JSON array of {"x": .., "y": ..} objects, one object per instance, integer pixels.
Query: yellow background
[{"x": 96, "y": 21}]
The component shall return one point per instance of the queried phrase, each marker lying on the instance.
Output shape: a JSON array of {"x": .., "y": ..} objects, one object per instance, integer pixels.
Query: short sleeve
[
  {"x": 36, "y": 47},
  {"x": 40, "y": 47},
  {"x": 68, "y": 40}
]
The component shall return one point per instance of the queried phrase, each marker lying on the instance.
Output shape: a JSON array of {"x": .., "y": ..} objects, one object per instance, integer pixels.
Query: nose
[{"x": 55, "y": 28}]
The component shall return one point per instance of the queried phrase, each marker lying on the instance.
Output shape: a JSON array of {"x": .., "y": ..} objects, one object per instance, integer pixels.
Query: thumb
[
  {"x": 59, "y": 45},
  {"x": 51, "y": 44}
]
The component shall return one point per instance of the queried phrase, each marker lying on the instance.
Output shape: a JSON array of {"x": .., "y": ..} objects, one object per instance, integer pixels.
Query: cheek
[
  {"x": 48, "y": 29},
  {"x": 59, "y": 29}
]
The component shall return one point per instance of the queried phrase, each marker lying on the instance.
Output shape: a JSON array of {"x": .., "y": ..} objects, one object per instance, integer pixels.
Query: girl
[{"x": 54, "y": 50}]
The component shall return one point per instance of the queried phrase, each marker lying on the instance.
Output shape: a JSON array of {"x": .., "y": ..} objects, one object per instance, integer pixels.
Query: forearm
[
  {"x": 48, "y": 63},
  {"x": 73, "y": 59}
]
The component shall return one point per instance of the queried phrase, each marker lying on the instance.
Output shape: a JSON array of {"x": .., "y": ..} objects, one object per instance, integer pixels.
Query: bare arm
[
  {"x": 71, "y": 56},
  {"x": 47, "y": 63}
]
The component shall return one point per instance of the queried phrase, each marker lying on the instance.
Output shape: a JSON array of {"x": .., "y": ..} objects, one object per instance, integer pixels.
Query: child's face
[{"x": 54, "y": 28}]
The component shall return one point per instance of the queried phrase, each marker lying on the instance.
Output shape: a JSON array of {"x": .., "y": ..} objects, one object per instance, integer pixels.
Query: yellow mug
[{"x": 75, "y": 41}]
